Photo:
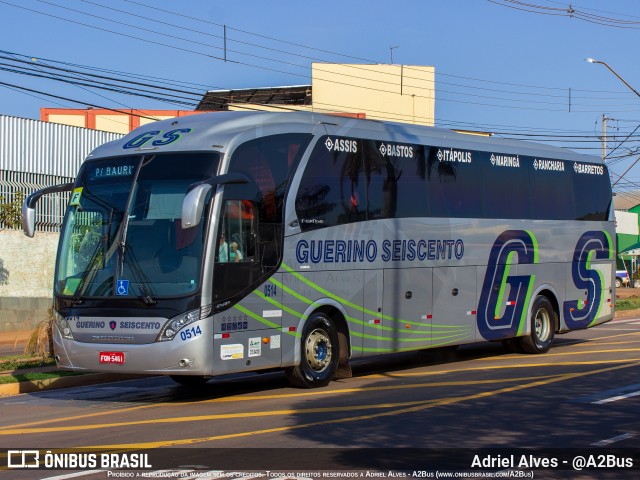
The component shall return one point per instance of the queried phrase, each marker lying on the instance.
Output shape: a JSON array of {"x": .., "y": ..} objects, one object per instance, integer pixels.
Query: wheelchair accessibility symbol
[{"x": 123, "y": 287}]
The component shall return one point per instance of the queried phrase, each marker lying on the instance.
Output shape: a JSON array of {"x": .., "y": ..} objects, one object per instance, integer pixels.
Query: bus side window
[
  {"x": 237, "y": 235},
  {"x": 333, "y": 187}
]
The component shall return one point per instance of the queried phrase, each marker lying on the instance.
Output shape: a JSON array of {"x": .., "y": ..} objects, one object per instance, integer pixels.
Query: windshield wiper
[
  {"x": 90, "y": 273},
  {"x": 92, "y": 269},
  {"x": 138, "y": 274}
]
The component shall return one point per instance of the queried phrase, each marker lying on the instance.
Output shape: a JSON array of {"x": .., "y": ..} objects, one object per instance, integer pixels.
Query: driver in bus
[{"x": 223, "y": 249}]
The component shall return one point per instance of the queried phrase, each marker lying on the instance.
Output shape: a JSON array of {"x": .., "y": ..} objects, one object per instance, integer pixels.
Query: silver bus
[{"x": 231, "y": 242}]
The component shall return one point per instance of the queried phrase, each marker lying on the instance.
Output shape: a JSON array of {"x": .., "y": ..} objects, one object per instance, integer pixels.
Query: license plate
[{"x": 112, "y": 357}]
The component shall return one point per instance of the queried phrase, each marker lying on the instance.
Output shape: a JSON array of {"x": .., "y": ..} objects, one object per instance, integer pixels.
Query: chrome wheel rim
[
  {"x": 318, "y": 350},
  {"x": 542, "y": 325}
]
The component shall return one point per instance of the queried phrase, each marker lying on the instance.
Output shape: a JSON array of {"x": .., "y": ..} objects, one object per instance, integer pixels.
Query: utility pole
[{"x": 604, "y": 136}]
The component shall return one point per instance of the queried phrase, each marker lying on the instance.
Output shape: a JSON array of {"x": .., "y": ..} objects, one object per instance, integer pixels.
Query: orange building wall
[{"x": 121, "y": 121}]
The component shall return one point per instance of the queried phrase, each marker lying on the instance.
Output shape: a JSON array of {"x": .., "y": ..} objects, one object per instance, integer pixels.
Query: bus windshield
[{"x": 123, "y": 236}]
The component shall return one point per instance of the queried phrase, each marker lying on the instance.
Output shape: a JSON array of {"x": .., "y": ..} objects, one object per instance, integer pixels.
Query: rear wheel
[
  {"x": 543, "y": 321},
  {"x": 618, "y": 282},
  {"x": 319, "y": 355}
]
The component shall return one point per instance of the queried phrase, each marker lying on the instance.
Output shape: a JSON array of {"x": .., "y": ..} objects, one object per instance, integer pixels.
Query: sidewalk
[{"x": 13, "y": 343}]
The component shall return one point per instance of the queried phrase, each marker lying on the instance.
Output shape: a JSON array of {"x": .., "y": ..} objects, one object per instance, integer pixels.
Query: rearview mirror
[
  {"x": 194, "y": 200},
  {"x": 28, "y": 212}
]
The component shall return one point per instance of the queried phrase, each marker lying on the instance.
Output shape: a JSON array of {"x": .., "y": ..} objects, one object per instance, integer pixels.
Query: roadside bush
[{"x": 41, "y": 340}]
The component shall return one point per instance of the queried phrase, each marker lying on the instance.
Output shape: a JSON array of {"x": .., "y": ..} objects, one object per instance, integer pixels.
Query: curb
[{"x": 10, "y": 389}]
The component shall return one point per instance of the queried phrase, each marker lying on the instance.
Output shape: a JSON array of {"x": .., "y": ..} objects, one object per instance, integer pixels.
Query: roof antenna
[{"x": 391, "y": 48}]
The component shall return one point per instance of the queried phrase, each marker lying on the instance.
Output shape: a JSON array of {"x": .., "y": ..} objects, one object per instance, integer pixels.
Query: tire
[
  {"x": 319, "y": 354},
  {"x": 636, "y": 283},
  {"x": 190, "y": 380},
  {"x": 543, "y": 322},
  {"x": 618, "y": 282}
]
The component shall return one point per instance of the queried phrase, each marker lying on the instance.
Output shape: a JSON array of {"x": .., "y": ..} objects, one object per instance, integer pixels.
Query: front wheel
[
  {"x": 543, "y": 321},
  {"x": 319, "y": 353}
]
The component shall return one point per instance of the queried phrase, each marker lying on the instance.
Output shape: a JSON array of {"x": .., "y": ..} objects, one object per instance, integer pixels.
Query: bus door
[
  {"x": 407, "y": 308},
  {"x": 248, "y": 333}
]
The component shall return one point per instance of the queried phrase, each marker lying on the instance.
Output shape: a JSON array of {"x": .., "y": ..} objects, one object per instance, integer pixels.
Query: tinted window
[
  {"x": 506, "y": 185},
  {"x": 332, "y": 189},
  {"x": 551, "y": 183},
  {"x": 592, "y": 190},
  {"x": 349, "y": 180},
  {"x": 396, "y": 185},
  {"x": 454, "y": 183},
  {"x": 268, "y": 161}
]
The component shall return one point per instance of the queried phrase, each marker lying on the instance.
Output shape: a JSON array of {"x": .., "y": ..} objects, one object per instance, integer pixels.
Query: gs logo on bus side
[
  {"x": 499, "y": 317},
  {"x": 160, "y": 138},
  {"x": 580, "y": 313}
]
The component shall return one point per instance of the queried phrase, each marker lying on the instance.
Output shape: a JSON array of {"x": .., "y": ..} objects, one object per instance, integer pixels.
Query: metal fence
[
  {"x": 51, "y": 208},
  {"x": 35, "y": 154}
]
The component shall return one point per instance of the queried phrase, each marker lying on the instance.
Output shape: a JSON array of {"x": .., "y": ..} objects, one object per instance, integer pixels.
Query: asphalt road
[{"x": 582, "y": 395}]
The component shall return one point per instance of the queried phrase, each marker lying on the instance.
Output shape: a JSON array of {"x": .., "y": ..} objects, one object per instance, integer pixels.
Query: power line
[
  {"x": 571, "y": 11},
  {"x": 547, "y": 136},
  {"x": 18, "y": 87},
  {"x": 474, "y": 94}
]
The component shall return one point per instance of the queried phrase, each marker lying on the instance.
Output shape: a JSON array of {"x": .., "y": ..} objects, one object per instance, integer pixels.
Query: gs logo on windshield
[{"x": 160, "y": 138}]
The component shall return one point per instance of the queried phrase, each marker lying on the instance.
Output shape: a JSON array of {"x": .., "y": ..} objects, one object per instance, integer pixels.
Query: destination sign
[{"x": 113, "y": 171}]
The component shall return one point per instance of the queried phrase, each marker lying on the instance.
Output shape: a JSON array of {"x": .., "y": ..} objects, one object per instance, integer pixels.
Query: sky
[{"x": 515, "y": 67}]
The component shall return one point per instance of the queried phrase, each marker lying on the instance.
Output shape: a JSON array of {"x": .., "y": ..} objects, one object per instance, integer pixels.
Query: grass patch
[
  {"x": 23, "y": 361},
  {"x": 34, "y": 376},
  {"x": 628, "y": 304}
]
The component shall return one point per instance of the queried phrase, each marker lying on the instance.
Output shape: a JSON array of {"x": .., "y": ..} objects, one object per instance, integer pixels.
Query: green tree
[{"x": 10, "y": 212}]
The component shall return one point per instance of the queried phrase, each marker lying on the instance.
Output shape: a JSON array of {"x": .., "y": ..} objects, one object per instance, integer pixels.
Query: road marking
[
  {"x": 518, "y": 365},
  {"x": 328, "y": 391},
  {"x": 612, "y": 336},
  {"x": 234, "y": 399},
  {"x": 609, "y": 441},
  {"x": 560, "y": 354},
  {"x": 226, "y": 416},
  {"x": 616, "y": 398},
  {"x": 4, "y": 429},
  {"x": 612, "y": 327},
  {"x": 589, "y": 344},
  {"x": 624, "y": 320},
  {"x": 415, "y": 408}
]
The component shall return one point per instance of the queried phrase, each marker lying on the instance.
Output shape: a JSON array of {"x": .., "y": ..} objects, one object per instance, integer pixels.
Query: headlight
[
  {"x": 175, "y": 324},
  {"x": 63, "y": 325}
]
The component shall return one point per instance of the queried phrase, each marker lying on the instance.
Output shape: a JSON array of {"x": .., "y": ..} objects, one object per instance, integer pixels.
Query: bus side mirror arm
[
  {"x": 28, "y": 216},
  {"x": 194, "y": 200}
]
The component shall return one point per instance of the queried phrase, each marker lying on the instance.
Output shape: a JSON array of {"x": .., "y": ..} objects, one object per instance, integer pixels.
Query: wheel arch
[
  {"x": 338, "y": 315},
  {"x": 550, "y": 293}
]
